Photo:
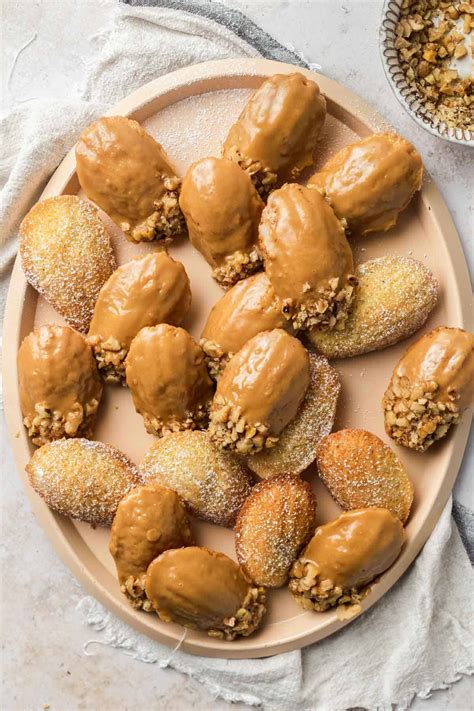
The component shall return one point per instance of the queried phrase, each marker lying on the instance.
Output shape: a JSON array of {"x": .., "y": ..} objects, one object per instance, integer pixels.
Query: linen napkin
[{"x": 417, "y": 638}]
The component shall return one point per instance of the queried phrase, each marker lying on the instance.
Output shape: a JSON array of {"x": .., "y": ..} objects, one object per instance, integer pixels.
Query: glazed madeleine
[
  {"x": 149, "y": 521},
  {"x": 259, "y": 392},
  {"x": 250, "y": 307},
  {"x": 360, "y": 471},
  {"x": 273, "y": 525},
  {"x": 298, "y": 442},
  {"x": 430, "y": 387},
  {"x": 144, "y": 292},
  {"x": 82, "y": 479},
  {"x": 307, "y": 258},
  {"x": 214, "y": 484},
  {"x": 343, "y": 557},
  {"x": 222, "y": 211},
  {"x": 275, "y": 135},
  {"x": 371, "y": 181},
  {"x": 127, "y": 173},
  {"x": 168, "y": 379},
  {"x": 393, "y": 298},
  {"x": 66, "y": 256},
  {"x": 59, "y": 385},
  {"x": 204, "y": 590}
]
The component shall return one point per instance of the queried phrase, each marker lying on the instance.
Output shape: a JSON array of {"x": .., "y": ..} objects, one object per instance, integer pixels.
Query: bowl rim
[{"x": 406, "y": 96}]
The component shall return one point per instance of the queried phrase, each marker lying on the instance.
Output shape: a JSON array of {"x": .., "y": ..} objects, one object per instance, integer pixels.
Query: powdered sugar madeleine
[
  {"x": 275, "y": 135},
  {"x": 214, "y": 484},
  {"x": 168, "y": 379},
  {"x": 307, "y": 258},
  {"x": 82, "y": 479},
  {"x": 273, "y": 525},
  {"x": 149, "y": 521},
  {"x": 127, "y": 173},
  {"x": 360, "y": 471},
  {"x": 144, "y": 292},
  {"x": 298, "y": 442},
  {"x": 60, "y": 388},
  {"x": 371, "y": 181},
  {"x": 204, "y": 590},
  {"x": 393, "y": 298},
  {"x": 430, "y": 387},
  {"x": 259, "y": 392},
  {"x": 222, "y": 211},
  {"x": 250, "y": 307},
  {"x": 343, "y": 558},
  {"x": 66, "y": 256}
]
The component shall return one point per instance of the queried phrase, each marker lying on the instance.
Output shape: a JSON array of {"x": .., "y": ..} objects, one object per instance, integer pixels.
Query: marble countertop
[{"x": 42, "y": 647}]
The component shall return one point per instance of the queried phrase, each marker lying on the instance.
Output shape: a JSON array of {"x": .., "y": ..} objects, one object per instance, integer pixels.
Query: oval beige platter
[{"x": 189, "y": 111}]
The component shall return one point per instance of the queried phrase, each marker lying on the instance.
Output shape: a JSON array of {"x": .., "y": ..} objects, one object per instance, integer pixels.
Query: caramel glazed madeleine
[
  {"x": 275, "y": 135},
  {"x": 259, "y": 392},
  {"x": 168, "y": 379},
  {"x": 307, "y": 258},
  {"x": 144, "y": 292},
  {"x": 343, "y": 557},
  {"x": 126, "y": 173},
  {"x": 204, "y": 590},
  {"x": 149, "y": 521},
  {"x": 430, "y": 386},
  {"x": 222, "y": 211},
  {"x": 251, "y": 306},
  {"x": 59, "y": 385}
]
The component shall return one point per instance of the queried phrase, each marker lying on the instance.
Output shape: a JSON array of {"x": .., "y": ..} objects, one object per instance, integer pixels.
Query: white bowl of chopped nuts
[{"x": 427, "y": 54}]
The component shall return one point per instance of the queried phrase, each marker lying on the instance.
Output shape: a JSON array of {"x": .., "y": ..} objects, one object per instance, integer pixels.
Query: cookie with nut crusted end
[
  {"x": 82, "y": 479},
  {"x": 204, "y": 590},
  {"x": 168, "y": 379},
  {"x": 307, "y": 258},
  {"x": 273, "y": 525},
  {"x": 66, "y": 256},
  {"x": 371, "y": 181},
  {"x": 430, "y": 387},
  {"x": 275, "y": 135},
  {"x": 297, "y": 445},
  {"x": 360, "y": 471},
  {"x": 393, "y": 298},
  {"x": 343, "y": 558},
  {"x": 144, "y": 292},
  {"x": 259, "y": 392},
  {"x": 222, "y": 211},
  {"x": 214, "y": 484},
  {"x": 149, "y": 521},
  {"x": 251, "y": 306},
  {"x": 127, "y": 173},
  {"x": 59, "y": 385}
]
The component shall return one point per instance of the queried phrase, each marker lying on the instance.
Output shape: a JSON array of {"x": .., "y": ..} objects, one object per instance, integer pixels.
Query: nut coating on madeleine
[
  {"x": 360, "y": 471},
  {"x": 204, "y": 590},
  {"x": 430, "y": 387},
  {"x": 168, "y": 379},
  {"x": 222, "y": 211},
  {"x": 273, "y": 525},
  {"x": 275, "y": 135},
  {"x": 393, "y": 298},
  {"x": 127, "y": 173},
  {"x": 214, "y": 484},
  {"x": 144, "y": 292},
  {"x": 343, "y": 557},
  {"x": 66, "y": 256},
  {"x": 149, "y": 521},
  {"x": 259, "y": 392},
  {"x": 82, "y": 479},
  {"x": 307, "y": 258},
  {"x": 371, "y": 181}
]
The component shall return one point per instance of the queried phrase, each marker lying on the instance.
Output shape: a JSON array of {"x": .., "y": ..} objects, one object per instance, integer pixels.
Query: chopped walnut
[
  {"x": 247, "y": 618},
  {"x": 264, "y": 179},
  {"x": 229, "y": 430},
  {"x": 48, "y": 425},
  {"x": 237, "y": 266},
  {"x": 165, "y": 222},
  {"x": 329, "y": 311}
]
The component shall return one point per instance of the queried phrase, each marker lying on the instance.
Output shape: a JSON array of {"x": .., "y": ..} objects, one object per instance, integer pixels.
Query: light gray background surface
[{"x": 42, "y": 661}]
